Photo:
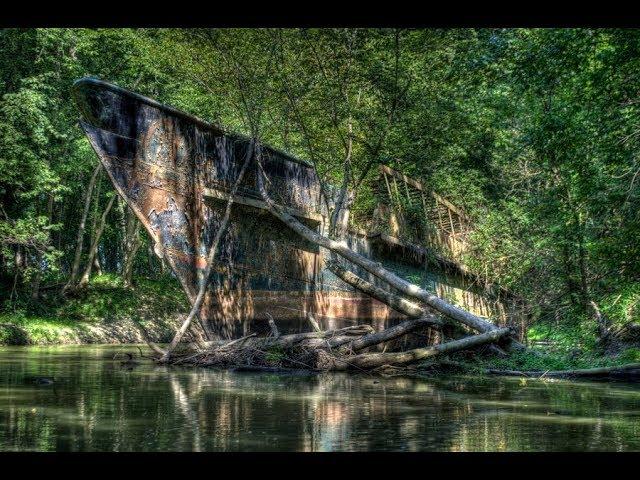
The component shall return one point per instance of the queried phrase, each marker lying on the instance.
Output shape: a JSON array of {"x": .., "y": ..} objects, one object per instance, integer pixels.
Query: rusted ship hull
[{"x": 175, "y": 171}]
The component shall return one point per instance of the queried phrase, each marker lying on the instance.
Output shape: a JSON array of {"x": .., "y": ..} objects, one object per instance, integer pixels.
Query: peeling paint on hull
[
  {"x": 174, "y": 169},
  {"x": 161, "y": 162}
]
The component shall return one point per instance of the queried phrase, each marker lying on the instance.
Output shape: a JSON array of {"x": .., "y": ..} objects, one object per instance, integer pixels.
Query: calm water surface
[{"x": 95, "y": 404}]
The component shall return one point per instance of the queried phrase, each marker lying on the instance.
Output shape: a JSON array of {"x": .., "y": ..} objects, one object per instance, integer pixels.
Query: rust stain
[{"x": 161, "y": 160}]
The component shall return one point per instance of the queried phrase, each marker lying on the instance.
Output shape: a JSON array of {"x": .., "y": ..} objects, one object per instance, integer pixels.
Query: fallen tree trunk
[
  {"x": 396, "y": 302},
  {"x": 409, "y": 289},
  {"x": 317, "y": 350},
  {"x": 631, "y": 369},
  {"x": 292, "y": 339},
  {"x": 309, "y": 338},
  {"x": 374, "y": 360},
  {"x": 388, "y": 333}
]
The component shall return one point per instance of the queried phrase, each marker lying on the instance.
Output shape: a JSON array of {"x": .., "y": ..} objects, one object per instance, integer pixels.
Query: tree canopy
[{"x": 534, "y": 132}]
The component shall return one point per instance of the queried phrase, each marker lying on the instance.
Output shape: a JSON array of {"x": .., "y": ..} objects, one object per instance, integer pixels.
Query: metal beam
[{"x": 220, "y": 195}]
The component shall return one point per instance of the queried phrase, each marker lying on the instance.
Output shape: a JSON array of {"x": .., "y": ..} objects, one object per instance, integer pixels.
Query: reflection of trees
[
  {"x": 95, "y": 405},
  {"x": 191, "y": 417}
]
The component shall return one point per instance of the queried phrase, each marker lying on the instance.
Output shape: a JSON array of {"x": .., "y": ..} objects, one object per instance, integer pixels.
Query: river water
[{"x": 95, "y": 404}]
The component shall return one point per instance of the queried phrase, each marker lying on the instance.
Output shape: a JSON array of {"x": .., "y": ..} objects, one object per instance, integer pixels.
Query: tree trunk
[
  {"x": 96, "y": 265},
  {"x": 128, "y": 267},
  {"x": 35, "y": 285},
  {"x": 387, "y": 334},
  {"x": 132, "y": 242},
  {"x": 197, "y": 304},
  {"x": 20, "y": 264},
  {"x": 374, "y": 360},
  {"x": 94, "y": 246},
  {"x": 75, "y": 268},
  {"x": 396, "y": 302}
]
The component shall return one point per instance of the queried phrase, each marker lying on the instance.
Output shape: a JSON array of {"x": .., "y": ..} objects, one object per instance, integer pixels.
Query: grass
[
  {"x": 106, "y": 305},
  {"x": 552, "y": 361},
  {"x": 552, "y": 347},
  {"x": 539, "y": 362},
  {"x": 576, "y": 338},
  {"x": 275, "y": 355}
]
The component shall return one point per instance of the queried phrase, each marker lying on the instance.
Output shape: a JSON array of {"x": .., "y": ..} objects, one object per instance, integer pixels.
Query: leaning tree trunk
[
  {"x": 375, "y": 268},
  {"x": 396, "y": 302}
]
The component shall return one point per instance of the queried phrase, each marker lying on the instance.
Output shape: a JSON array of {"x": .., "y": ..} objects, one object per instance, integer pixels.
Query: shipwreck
[{"x": 175, "y": 171}]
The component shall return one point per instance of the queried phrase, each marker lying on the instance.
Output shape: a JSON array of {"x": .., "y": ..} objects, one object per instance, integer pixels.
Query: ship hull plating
[{"x": 174, "y": 171}]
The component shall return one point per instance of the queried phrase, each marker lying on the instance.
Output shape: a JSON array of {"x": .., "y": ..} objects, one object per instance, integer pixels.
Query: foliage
[
  {"x": 275, "y": 355},
  {"x": 534, "y": 132},
  {"x": 106, "y": 301}
]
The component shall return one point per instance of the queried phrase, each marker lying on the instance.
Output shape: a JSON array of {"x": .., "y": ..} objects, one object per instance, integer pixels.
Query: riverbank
[
  {"x": 537, "y": 363},
  {"x": 107, "y": 312}
]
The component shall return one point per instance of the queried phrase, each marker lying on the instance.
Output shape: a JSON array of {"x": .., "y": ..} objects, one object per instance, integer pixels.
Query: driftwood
[
  {"x": 374, "y": 360},
  {"x": 629, "y": 370},
  {"x": 330, "y": 350},
  {"x": 391, "y": 333}
]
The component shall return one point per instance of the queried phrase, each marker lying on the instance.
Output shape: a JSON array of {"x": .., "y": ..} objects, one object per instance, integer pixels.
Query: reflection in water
[{"x": 94, "y": 404}]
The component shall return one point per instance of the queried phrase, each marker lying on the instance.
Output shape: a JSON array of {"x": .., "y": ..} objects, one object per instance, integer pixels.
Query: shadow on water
[{"x": 96, "y": 404}]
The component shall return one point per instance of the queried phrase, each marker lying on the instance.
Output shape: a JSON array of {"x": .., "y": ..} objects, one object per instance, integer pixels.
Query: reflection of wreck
[{"x": 175, "y": 172}]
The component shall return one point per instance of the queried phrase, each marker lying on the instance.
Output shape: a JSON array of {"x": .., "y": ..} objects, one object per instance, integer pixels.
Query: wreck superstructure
[{"x": 176, "y": 171}]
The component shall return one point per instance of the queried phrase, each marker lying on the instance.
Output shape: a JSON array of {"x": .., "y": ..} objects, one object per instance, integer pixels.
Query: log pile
[{"x": 343, "y": 349}]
